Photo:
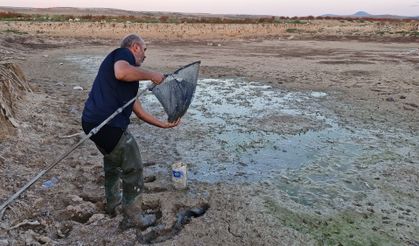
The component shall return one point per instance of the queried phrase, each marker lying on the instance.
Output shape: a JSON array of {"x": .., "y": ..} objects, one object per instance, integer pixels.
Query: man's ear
[{"x": 134, "y": 47}]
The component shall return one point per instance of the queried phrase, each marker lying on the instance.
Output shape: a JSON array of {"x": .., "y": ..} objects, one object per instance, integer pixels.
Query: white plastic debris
[
  {"x": 179, "y": 175},
  {"x": 78, "y": 88},
  {"x": 318, "y": 94}
]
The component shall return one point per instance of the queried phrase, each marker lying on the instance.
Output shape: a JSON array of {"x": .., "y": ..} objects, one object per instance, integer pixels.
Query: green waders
[{"x": 124, "y": 163}]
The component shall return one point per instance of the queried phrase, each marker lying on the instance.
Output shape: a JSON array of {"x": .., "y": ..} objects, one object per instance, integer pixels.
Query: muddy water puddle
[
  {"x": 245, "y": 132},
  {"x": 238, "y": 131},
  {"x": 243, "y": 135}
]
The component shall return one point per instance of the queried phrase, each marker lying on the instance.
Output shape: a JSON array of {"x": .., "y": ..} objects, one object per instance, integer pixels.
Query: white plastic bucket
[{"x": 179, "y": 175}]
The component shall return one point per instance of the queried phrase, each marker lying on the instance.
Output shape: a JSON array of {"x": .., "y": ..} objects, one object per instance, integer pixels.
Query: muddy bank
[{"x": 287, "y": 142}]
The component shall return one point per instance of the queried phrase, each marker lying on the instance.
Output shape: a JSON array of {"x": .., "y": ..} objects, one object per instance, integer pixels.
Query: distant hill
[
  {"x": 153, "y": 14},
  {"x": 116, "y": 12},
  {"x": 80, "y": 11},
  {"x": 363, "y": 14}
]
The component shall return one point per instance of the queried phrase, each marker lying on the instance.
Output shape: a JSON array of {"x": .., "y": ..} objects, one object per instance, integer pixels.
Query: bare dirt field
[{"x": 290, "y": 140}]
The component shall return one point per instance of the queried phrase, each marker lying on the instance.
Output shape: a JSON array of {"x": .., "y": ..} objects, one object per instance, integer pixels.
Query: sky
[{"x": 263, "y": 7}]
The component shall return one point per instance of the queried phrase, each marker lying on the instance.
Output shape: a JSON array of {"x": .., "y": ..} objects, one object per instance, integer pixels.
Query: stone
[
  {"x": 95, "y": 218},
  {"x": 81, "y": 212},
  {"x": 75, "y": 198}
]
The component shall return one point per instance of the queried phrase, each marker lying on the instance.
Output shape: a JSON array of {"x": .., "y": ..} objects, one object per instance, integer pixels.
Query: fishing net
[{"x": 175, "y": 93}]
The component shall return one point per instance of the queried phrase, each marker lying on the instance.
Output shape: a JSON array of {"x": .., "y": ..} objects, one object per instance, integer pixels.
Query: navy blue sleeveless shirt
[{"x": 109, "y": 93}]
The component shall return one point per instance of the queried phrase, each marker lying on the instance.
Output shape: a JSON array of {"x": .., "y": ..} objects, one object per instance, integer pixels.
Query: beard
[{"x": 140, "y": 61}]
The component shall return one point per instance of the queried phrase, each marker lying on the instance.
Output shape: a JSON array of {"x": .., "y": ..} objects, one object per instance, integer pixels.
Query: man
[{"x": 115, "y": 84}]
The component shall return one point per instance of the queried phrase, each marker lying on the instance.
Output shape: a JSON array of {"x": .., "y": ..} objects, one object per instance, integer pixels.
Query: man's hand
[
  {"x": 157, "y": 77},
  {"x": 150, "y": 119},
  {"x": 171, "y": 124}
]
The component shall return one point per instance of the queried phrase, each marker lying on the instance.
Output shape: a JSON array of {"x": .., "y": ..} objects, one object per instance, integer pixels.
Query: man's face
[{"x": 139, "y": 53}]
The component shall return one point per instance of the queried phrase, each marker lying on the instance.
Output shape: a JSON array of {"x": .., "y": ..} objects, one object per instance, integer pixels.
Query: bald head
[{"x": 130, "y": 40}]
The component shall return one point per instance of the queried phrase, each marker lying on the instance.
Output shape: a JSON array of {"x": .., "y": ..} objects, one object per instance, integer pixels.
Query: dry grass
[
  {"x": 12, "y": 85},
  {"x": 201, "y": 31}
]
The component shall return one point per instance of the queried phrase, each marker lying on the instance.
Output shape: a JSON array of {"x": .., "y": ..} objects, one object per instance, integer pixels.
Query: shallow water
[
  {"x": 235, "y": 144},
  {"x": 242, "y": 132},
  {"x": 233, "y": 133}
]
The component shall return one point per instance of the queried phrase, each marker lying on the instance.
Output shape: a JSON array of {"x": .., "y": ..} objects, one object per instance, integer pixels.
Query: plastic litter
[
  {"x": 179, "y": 175},
  {"x": 79, "y": 88},
  {"x": 50, "y": 183}
]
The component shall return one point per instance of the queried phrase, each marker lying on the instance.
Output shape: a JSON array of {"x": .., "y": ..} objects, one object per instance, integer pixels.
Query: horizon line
[{"x": 206, "y": 13}]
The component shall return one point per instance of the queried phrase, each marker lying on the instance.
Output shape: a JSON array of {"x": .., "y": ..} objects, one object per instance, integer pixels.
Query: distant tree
[{"x": 164, "y": 19}]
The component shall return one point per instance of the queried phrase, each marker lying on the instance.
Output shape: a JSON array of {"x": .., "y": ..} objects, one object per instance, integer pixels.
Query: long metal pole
[{"x": 64, "y": 155}]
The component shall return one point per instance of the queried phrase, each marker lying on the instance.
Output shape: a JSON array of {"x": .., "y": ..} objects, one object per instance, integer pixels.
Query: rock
[
  {"x": 95, "y": 218},
  {"x": 75, "y": 198},
  {"x": 3, "y": 226},
  {"x": 82, "y": 212},
  {"x": 64, "y": 229},
  {"x": 44, "y": 239},
  {"x": 4, "y": 242},
  {"x": 413, "y": 52},
  {"x": 29, "y": 239},
  {"x": 390, "y": 99}
]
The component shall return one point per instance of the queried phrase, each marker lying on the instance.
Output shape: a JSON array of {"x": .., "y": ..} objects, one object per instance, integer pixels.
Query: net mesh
[{"x": 175, "y": 93}]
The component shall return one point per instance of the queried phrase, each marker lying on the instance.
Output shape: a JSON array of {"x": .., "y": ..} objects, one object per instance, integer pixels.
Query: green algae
[
  {"x": 383, "y": 156},
  {"x": 345, "y": 228}
]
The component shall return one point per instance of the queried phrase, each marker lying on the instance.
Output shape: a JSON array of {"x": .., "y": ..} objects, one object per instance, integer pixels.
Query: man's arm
[
  {"x": 149, "y": 118},
  {"x": 126, "y": 72}
]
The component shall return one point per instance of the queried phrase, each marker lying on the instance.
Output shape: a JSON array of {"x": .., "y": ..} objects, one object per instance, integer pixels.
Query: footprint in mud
[
  {"x": 170, "y": 211},
  {"x": 160, "y": 232},
  {"x": 149, "y": 179}
]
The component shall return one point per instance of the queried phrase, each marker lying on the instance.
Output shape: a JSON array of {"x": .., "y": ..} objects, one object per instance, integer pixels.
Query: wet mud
[
  {"x": 287, "y": 149},
  {"x": 160, "y": 234}
]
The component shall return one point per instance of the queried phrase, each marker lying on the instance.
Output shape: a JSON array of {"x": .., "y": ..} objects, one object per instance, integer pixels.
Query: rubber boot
[
  {"x": 111, "y": 163},
  {"x": 133, "y": 185},
  {"x": 112, "y": 186},
  {"x": 134, "y": 216}
]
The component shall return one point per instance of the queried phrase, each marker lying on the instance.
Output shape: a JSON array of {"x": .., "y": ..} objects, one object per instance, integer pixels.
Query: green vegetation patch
[
  {"x": 296, "y": 22},
  {"x": 345, "y": 228},
  {"x": 14, "y": 31},
  {"x": 292, "y": 30}
]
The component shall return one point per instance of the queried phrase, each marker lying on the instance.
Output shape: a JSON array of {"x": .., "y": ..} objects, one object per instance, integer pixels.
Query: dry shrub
[{"x": 13, "y": 85}]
